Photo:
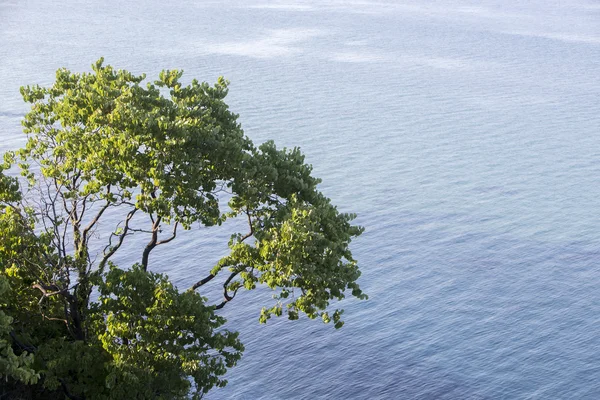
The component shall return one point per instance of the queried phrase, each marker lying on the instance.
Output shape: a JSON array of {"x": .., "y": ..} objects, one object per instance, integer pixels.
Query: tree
[{"x": 159, "y": 157}]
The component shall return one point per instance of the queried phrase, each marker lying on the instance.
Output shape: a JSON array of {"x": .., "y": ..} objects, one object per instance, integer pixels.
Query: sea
[{"x": 464, "y": 134}]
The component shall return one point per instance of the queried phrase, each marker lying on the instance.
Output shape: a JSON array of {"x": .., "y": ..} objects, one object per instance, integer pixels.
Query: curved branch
[
  {"x": 227, "y": 297},
  {"x": 211, "y": 276},
  {"x": 173, "y": 236},
  {"x": 152, "y": 243}
]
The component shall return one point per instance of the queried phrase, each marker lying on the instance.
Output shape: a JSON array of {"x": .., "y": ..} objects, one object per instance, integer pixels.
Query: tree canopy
[{"x": 110, "y": 156}]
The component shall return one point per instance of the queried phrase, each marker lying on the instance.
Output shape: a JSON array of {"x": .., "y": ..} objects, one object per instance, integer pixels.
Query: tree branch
[
  {"x": 246, "y": 236},
  {"x": 203, "y": 281},
  {"x": 44, "y": 289},
  {"x": 113, "y": 249},
  {"x": 172, "y": 236},
  {"x": 152, "y": 243},
  {"x": 227, "y": 297},
  {"x": 73, "y": 312},
  {"x": 211, "y": 276},
  {"x": 96, "y": 218}
]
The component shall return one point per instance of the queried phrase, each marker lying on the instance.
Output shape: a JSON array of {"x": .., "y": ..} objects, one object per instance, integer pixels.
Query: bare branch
[
  {"x": 246, "y": 236},
  {"x": 55, "y": 220},
  {"x": 55, "y": 319},
  {"x": 227, "y": 297},
  {"x": 152, "y": 243},
  {"x": 202, "y": 282},
  {"x": 44, "y": 289},
  {"x": 84, "y": 203},
  {"x": 71, "y": 301},
  {"x": 211, "y": 276},
  {"x": 94, "y": 221},
  {"x": 140, "y": 230},
  {"x": 173, "y": 236},
  {"x": 113, "y": 249}
]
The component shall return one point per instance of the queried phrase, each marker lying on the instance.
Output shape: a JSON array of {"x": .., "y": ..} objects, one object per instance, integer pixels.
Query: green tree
[{"x": 156, "y": 157}]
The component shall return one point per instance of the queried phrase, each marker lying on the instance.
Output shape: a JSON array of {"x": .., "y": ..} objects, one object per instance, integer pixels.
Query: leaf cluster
[{"x": 155, "y": 156}]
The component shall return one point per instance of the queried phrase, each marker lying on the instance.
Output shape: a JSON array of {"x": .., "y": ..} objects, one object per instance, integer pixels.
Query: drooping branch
[
  {"x": 226, "y": 297},
  {"x": 227, "y": 282},
  {"x": 211, "y": 276}
]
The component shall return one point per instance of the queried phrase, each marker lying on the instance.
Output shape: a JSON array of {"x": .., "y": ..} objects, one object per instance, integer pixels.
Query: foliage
[
  {"x": 17, "y": 367},
  {"x": 109, "y": 157}
]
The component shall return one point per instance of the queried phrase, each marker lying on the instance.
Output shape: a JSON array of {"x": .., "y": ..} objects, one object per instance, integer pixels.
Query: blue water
[{"x": 466, "y": 135}]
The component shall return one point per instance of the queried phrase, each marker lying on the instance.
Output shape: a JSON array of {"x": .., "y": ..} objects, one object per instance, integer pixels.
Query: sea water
[{"x": 465, "y": 134}]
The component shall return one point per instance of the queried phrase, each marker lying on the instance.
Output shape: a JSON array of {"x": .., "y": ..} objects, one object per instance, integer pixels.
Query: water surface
[{"x": 464, "y": 134}]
